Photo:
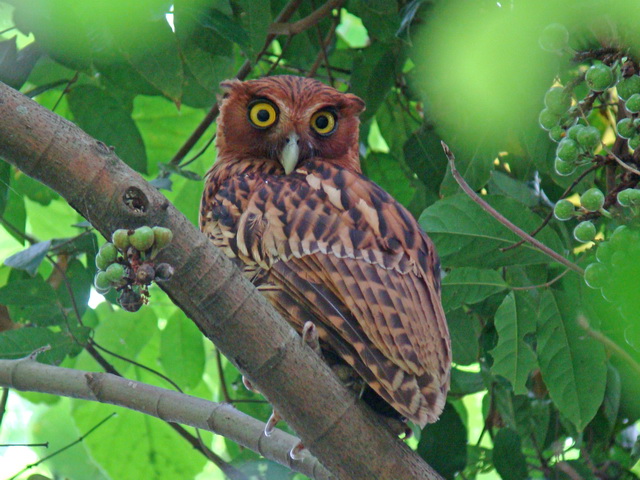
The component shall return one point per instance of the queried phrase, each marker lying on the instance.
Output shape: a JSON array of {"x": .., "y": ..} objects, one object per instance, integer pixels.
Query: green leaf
[
  {"x": 29, "y": 259},
  {"x": 381, "y": 18},
  {"x": 146, "y": 446},
  {"x": 34, "y": 190},
  {"x": 465, "y": 383},
  {"x": 572, "y": 364},
  {"x": 373, "y": 75},
  {"x": 464, "y": 330},
  {"x": 466, "y": 285},
  {"x": 467, "y": 236},
  {"x": 256, "y": 21},
  {"x": 15, "y": 215},
  {"x": 5, "y": 179},
  {"x": 182, "y": 351},
  {"x": 22, "y": 342},
  {"x": 532, "y": 420},
  {"x": 443, "y": 444},
  {"x": 388, "y": 172},
  {"x": 507, "y": 455},
  {"x": 475, "y": 167},
  {"x": 502, "y": 184},
  {"x": 512, "y": 357},
  {"x": 227, "y": 28},
  {"x": 103, "y": 117},
  {"x": 423, "y": 153},
  {"x": 27, "y": 292},
  {"x": 395, "y": 123}
]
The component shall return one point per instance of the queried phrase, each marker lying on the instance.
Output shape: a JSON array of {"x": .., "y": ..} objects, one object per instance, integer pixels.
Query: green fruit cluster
[
  {"x": 143, "y": 239},
  {"x": 111, "y": 270}
]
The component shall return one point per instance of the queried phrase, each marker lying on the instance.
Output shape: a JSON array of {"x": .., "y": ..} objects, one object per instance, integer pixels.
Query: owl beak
[{"x": 290, "y": 154}]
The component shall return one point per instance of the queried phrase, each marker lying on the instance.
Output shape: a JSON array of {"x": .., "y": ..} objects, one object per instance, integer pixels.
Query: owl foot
[
  {"x": 248, "y": 385},
  {"x": 295, "y": 452},
  {"x": 271, "y": 423},
  {"x": 310, "y": 337}
]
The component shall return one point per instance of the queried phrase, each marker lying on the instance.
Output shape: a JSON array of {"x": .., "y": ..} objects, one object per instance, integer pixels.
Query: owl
[{"x": 286, "y": 199}]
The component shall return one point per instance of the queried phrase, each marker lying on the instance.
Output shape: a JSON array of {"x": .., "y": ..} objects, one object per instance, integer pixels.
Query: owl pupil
[
  {"x": 263, "y": 115},
  {"x": 322, "y": 122}
]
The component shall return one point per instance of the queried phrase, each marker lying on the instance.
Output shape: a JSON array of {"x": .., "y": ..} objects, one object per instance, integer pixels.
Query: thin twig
[
  {"x": 543, "y": 285},
  {"x": 30, "y": 445},
  {"x": 279, "y": 28},
  {"x": 621, "y": 163},
  {"x": 223, "y": 381},
  {"x": 607, "y": 342},
  {"x": 66, "y": 447},
  {"x": 503, "y": 220},
  {"x": 549, "y": 216},
  {"x": 3, "y": 402}
]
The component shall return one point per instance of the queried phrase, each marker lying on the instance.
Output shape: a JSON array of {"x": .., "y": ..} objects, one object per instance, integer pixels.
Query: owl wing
[{"x": 339, "y": 251}]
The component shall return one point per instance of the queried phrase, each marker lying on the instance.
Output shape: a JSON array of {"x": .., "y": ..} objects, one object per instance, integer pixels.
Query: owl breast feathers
[{"x": 287, "y": 200}]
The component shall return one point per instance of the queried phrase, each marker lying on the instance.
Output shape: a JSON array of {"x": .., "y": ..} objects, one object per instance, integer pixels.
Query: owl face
[{"x": 288, "y": 119}]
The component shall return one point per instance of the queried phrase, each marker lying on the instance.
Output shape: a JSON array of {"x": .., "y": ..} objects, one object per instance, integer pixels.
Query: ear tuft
[
  {"x": 228, "y": 85},
  {"x": 355, "y": 104}
]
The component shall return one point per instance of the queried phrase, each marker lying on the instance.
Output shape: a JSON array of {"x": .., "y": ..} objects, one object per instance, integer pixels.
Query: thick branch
[
  {"x": 337, "y": 428},
  {"x": 221, "y": 418}
]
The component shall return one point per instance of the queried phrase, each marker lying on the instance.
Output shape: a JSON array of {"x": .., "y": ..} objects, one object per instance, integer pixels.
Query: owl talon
[
  {"x": 248, "y": 385},
  {"x": 296, "y": 452},
  {"x": 271, "y": 423},
  {"x": 310, "y": 337}
]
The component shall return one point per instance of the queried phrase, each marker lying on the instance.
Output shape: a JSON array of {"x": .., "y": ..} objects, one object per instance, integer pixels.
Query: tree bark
[{"x": 338, "y": 429}]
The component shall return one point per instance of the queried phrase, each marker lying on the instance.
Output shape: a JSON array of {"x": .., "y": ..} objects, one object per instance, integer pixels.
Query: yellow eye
[
  {"x": 323, "y": 122},
  {"x": 262, "y": 114}
]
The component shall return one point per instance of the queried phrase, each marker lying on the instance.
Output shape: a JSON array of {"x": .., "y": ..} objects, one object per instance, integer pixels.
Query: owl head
[{"x": 288, "y": 119}]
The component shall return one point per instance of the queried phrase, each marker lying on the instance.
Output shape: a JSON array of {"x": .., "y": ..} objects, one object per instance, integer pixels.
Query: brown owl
[{"x": 287, "y": 200}]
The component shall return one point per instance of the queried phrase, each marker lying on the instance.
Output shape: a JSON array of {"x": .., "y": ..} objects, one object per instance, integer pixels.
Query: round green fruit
[
  {"x": 120, "y": 239},
  {"x": 604, "y": 252},
  {"x": 108, "y": 252},
  {"x": 596, "y": 275},
  {"x": 101, "y": 262},
  {"x": 634, "y": 142},
  {"x": 628, "y": 86},
  {"x": 563, "y": 210},
  {"x": 101, "y": 281},
  {"x": 162, "y": 237},
  {"x": 557, "y": 101},
  {"x": 626, "y": 128},
  {"x": 556, "y": 133},
  {"x": 548, "y": 119},
  {"x": 554, "y": 37},
  {"x": 634, "y": 197},
  {"x": 568, "y": 150},
  {"x": 573, "y": 132},
  {"x": 589, "y": 138},
  {"x": 142, "y": 239},
  {"x": 592, "y": 200},
  {"x": 633, "y": 103},
  {"x": 115, "y": 272},
  {"x": 599, "y": 77},
  {"x": 563, "y": 168},
  {"x": 584, "y": 231}
]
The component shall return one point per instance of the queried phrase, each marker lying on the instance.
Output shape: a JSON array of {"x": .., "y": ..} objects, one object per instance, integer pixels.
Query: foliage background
[{"x": 533, "y": 395}]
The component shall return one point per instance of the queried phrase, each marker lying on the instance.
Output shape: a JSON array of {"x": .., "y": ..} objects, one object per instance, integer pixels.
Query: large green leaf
[
  {"x": 146, "y": 447},
  {"x": 467, "y": 236},
  {"x": 512, "y": 357},
  {"x": 29, "y": 259},
  {"x": 444, "y": 444},
  {"x": 256, "y": 21},
  {"x": 22, "y": 342},
  {"x": 182, "y": 351},
  {"x": 423, "y": 153},
  {"x": 387, "y": 171},
  {"x": 467, "y": 285},
  {"x": 502, "y": 184},
  {"x": 572, "y": 364},
  {"x": 103, "y": 117},
  {"x": 465, "y": 332},
  {"x": 507, "y": 455}
]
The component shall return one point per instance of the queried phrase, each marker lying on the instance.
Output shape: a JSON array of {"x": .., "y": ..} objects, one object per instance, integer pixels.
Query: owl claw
[
  {"x": 296, "y": 451},
  {"x": 271, "y": 423},
  {"x": 248, "y": 385},
  {"x": 310, "y": 337}
]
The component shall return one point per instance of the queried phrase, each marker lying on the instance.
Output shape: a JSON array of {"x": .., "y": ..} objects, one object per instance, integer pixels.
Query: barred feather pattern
[{"x": 327, "y": 245}]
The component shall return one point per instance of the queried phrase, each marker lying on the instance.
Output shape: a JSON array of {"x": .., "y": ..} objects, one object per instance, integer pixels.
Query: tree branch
[
  {"x": 501, "y": 218},
  {"x": 337, "y": 428},
  {"x": 28, "y": 375}
]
